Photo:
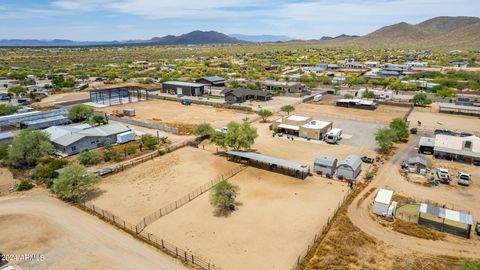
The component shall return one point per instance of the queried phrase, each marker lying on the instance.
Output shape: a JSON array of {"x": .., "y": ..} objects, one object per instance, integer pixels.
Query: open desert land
[
  {"x": 382, "y": 115},
  {"x": 277, "y": 217},
  {"x": 140, "y": 191},
  {"x": 69, "y": 238},
  {"x": 174, "y": 113},
  {"x": 431, "y": 119},
  {"x": 64, "y": 97}
]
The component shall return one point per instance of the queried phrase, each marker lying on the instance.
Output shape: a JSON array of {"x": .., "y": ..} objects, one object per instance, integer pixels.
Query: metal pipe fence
[
  {"x": 181, "y": 253},
  {"x": 185, "y": 199},
  {"x": 144, "y": 124}
]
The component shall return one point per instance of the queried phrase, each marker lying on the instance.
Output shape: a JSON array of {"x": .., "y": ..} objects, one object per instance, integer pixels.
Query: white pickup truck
[{"x": 464, "y": 179}]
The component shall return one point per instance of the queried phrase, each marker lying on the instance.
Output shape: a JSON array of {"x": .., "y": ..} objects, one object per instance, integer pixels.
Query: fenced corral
[
  {"x": 118, "y": 95},
  {"x": 131, "y": 163},
  {"x": 318, "y": 235},
  {"x": 186, "y": 199},
  {"x": 144, "y": 124},
  {"x": 151, "y": 239}
]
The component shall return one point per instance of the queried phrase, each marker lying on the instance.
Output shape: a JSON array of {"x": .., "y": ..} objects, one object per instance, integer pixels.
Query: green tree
[
  {"x": 288, "y": 109},
  {"x": 385, "y": 138},
  {"x": 149, "y": 141},
  {"x": 421, "y": 99},
  {"x": 80, "y": 112},
  {"x": 446, "y": 92},
  {"x": 130, "y": 150},
  {"x": 75, "y": 182},
  {"x": 368, "y": 94},
  {"x": 237, "y": 136},
  {"x": 17, "y": 90},
  {"x": 98, "y": 120},
  {"x": 348, "y": 96},
  {"x": 203, "y": 130},
  {"x": 264, "y": 114},
  {"x": 470, "y": 265},
  {"x": 400, "y": 127},
  {"x": 47, "y": 171},
  {"x": 28, "y": 147},
  {"x": 87, "y": 157},
  {"x": 111, "y": 154},
  {"x": 223, "y": 195},
  {"x": 7, "y": 109}
]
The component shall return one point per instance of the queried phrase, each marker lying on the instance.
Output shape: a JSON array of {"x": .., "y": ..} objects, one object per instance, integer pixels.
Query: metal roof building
[
  {"x": 46, "y": 122},
  {"x": 6, "y": 137},
  {"x": 291, "y": 168},
  {"x": 324, "y": 165},
  {"x": 350, "y": 167},
  {"x": 460, "y": 109},
  {"x": 445, "y": 220},
  {"x": 466, "y": 149}
]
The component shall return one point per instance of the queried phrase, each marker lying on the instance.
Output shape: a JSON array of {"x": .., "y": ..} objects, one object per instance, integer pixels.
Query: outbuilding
[
  {"x": 382, "y": 202},
  {"x": 426, "y": 145},
  {"x": 241, "y": 95},
  {"x": 324, "y": 165},
  {"x": 6, "y": 137},
  {"x": 417, "y": 165},
  {"x": 183, "y": 88},
  {"x": 350, "y": 167},
  {"x": 445, "y": 220},
  {"x": 315, "y": 129},
  {"x": 212, "y": 80}
]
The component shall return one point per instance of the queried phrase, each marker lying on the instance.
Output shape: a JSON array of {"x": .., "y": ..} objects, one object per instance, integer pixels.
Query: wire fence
[
  {"x": 145, "y": 124},
  {"x": 317, "y": 236},
  {"x": 183, "y": 254},
  {"x": 185, "y": 199}
]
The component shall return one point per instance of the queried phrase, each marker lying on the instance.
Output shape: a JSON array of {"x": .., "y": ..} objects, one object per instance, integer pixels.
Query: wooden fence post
[
  {"x": 162, "y": 244},
  {"x": 103, "y": 213},
  {"x": 148, "y": 236},
  {"x": 124, "y": 224},
  {"x": 185, "y": 256}
]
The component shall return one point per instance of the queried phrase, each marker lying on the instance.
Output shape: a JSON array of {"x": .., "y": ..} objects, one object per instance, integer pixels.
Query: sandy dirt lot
[
  {"x": 431, "y": 119},
  {"x": 383, "y": 114},
  {"x": 142, "y": 190},
  {"x": 162, "y": 111},
  {"x": 6, "y": 180},
  {"x": 69, "y": 238},
  {"x": 63, "y": 97},
  {"x": 276, "y": 218}
]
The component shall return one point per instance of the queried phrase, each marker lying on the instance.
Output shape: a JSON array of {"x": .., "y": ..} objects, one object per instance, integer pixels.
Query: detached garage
[
  {"x": 183, "y": 88},
  {"x": 350, "y": 167},
  {"x": 382, "y": 202}
]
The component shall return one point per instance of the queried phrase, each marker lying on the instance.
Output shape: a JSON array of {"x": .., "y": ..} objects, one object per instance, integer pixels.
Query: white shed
[{"x": 382, "y": 202}]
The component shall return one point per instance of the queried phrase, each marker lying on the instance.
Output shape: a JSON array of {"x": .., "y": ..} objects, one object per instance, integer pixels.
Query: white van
[
  {"x": 333, "y": 136},
  {"x": 318, "y": 97}
]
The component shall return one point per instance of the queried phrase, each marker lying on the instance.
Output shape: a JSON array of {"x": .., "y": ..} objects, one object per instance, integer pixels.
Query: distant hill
[
  {"x": 261, "y": 38},
  {"x": 195, "y": 37},
  {"x": 439, "y": 32}
]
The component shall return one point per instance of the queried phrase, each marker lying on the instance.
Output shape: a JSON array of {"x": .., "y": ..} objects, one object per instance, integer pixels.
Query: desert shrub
[
  {"x": 87, "y": 157},
  {"x": 24, "y": 186}
]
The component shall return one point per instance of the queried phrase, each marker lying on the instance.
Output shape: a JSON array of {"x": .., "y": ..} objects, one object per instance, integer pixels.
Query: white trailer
[
  {"x": 318, "y": 97},
  {"x": 126, "y": 137},
  {"x": 382, "y": 202},
  {"x": 333, "y": 136}
]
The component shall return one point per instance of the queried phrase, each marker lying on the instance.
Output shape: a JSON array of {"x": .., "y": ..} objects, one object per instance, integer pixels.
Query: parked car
[
  {"x": 368, "y": 159},
  {"x": 414, "y": 130},
  {"x": 463, "y": 179},
  {"x": 185, "y": 102},
  {"x": 443, "y": 175}
]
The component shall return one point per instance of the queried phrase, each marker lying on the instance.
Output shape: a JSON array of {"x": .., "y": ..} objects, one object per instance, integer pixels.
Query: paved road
[
  {"x": 81, "y": 241},
  {"x": 389, "y": 176}
]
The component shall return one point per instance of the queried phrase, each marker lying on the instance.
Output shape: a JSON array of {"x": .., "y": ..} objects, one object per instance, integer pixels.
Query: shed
[
  {"x": 183, "y": 88},
  {"x": 445, "y": 220},
  {"x": 417, "y": 165},
  {"x": 324, "y": 165},
  {"x": 6, "y": 137},
  {"x": 382, "y": 202},
  {"x": 212, "y": 80},
  {"x": 426, "y": 145},
  {"x": 350, "y": 167}
]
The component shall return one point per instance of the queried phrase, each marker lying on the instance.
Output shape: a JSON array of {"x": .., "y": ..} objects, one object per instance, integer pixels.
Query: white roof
[
  {"x": 334, "y": 131},
  {"x": 317, "y": 124},
  {"x": 453, "y": 143},
  {"x": 285, "y": 126},
  {"x": 298, "y": 118},
  {"x": 384, "y": 196}
]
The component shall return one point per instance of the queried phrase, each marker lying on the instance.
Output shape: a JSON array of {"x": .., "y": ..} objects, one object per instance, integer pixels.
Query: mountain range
[{"x": 440, "y": 32}]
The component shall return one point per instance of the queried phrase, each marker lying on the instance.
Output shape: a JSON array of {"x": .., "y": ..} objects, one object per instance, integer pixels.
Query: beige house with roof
[{"x": 302, "y": 126}]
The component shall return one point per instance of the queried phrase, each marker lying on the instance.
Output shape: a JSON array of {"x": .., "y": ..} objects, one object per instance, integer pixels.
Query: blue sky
[{"x": 140, "y": 19}]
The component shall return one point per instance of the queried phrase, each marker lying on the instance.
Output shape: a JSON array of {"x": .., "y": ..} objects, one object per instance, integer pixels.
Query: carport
[{"x": 287, "y": 167}]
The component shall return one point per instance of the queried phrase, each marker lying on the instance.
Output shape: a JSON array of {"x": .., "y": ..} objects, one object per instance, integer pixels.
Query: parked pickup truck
[
  {"x": 463, "y": 179},
  {"x": 443, "y": 175}
]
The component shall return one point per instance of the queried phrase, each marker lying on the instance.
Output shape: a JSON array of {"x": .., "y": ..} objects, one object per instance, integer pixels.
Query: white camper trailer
[
  {"x": 333, "y": 136},
  {"x": 318, "y": 98},
  {"x": 126, "y": 137}
]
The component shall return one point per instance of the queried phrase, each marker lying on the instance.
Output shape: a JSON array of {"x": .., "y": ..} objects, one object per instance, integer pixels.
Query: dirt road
[
  {"x": 389, "y": 177},
  {"x": 68, "y": 238}
]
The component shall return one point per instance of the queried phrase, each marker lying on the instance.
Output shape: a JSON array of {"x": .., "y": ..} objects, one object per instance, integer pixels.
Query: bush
[
  {"x": 75, "y": 182},
  {"x": 149, "y": 141},
  {"x": 130, "y": 150},
  {"x": 47, "y": 172},
  {"x": 87, "y": 157},
  {"x": 24, "y": 186},
  {"x": 28, "y": 147},
  {"x": 3, "y": 152},
  {"x": 421, "y": 99},
  {"x": 400, "y": 128},
  {"x": 203, "y": 130},
  {"x": 7, "y": 109},
  {"x": 470, "y": 265},
  {"x": 112, "y": 154}
]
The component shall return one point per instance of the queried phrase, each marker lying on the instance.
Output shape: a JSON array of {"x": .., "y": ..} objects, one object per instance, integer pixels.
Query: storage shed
[
  {"x": 350, "y": 167},
  {"x": 382, "y": 202},
  {"x": 417, "y": 165},
  {"x": 324, "y": 165},
  {"x": 183, "y": 88},
  {"x": 426, "y": 145},
  {"x": 445, "y": 220}
]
